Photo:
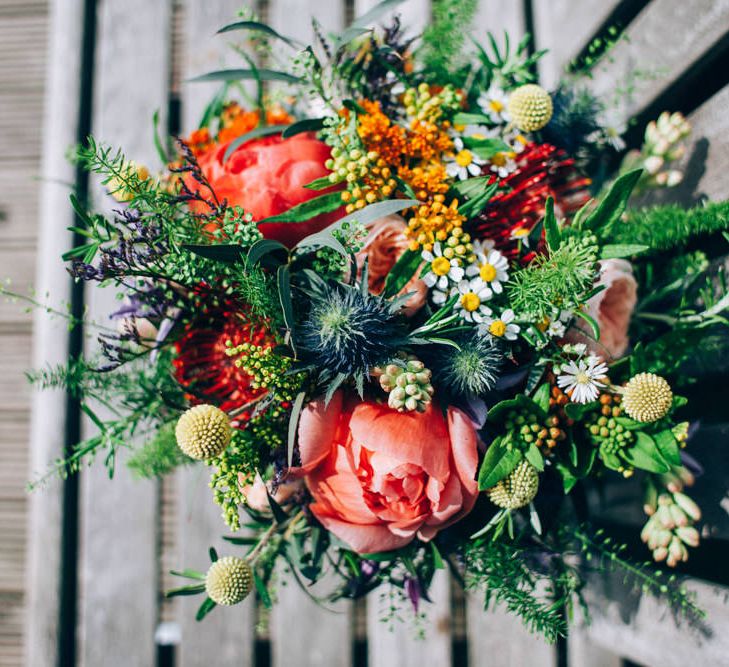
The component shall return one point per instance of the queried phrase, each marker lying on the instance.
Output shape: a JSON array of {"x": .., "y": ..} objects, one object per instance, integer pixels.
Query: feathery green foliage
[
  {"x": 158, "y": 456},
  {"x": 667, "y": 227},
  {"x": 443, "y": 40}
]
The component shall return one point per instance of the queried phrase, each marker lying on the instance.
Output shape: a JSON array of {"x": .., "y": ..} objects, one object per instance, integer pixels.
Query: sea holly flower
[
  {"x": 471, "y": 304},
  {"x": 493, "y": 103},
  {"x": 583, "y": 379},
  {"x": 501, "y": 327},
  {"x": 464, "y": 163},
  {"x": 490, "y": 266},
  {"x": 442, "y": 270}
]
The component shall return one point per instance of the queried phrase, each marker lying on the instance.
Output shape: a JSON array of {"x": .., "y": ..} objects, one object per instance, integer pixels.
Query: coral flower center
[
  {"x": 488, "y": 272},
  {"x": 497, "y": 328},
  {"x": 470, "y": 301},
  {"x": 441, "y": 266},
  {"x": 464, "y": 158}
]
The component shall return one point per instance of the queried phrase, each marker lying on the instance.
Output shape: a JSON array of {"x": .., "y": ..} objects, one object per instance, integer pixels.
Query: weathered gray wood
[
  {"x": 226, "y": 634},
  {"x": 643, "y": 629},
  {"x": 50, "y": 341},
  {"x": 120, "y": 519},
  {"x": 690, "y": 29},
  {"x": 415, "y": 14},
  {"x": 565, "y": 28},
  {"x": 581, "y": 650},
  {"x": 395, "y": 644},
  {"x": 496, "y": 16}
]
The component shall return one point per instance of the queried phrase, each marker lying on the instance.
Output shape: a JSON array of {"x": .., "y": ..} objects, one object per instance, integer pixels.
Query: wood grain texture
[
  {"x": 395, "y": 644},
  {"x": 565, "y": 27},
  {"x": 643, "y": 66},
  {"x": 50, "y": 340},
  {"x": 497, "y": 16},
  {"x": 120, "y": 519}
]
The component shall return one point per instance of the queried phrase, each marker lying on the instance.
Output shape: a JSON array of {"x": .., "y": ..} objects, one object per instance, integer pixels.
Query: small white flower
[
  {"x": 503, "y": 164},
  {"x": 521, "y": 234},
  {"x": 464, "y": 163},
  {"x": 494, "y": 103},
  {"x": 477, "y": 132},
  {"x": 556, "y": 329},
  {"x": 582, "y": 379},
  {"x": 501, "y": 327},
  {"x": 491, "y": 266},
  {"x": 575, "y": 348},
  {"x": 441, "y": 270},
  {"x": 471, "y": 304}
]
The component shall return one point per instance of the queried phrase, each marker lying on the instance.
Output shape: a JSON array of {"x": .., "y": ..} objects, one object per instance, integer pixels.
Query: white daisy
[
  {"x": 503, "y": 163},
  {"x": 464, "y": 163},
  {"x": 501, "y": 327},
  {"x": 471, "y": 304},
  {"x": 582, "y": 380},
  {"x": 556, "y": 329},
  {"x": 477, "y": 132},
  {"x": 491, "y": 266},
  {"x": 441, "y": 272},
  {"x": 494, "y": 103},
  {"x": 521, "y": 234}
]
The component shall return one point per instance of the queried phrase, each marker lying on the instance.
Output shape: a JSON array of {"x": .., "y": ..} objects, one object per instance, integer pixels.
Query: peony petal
[
  {"x": 363, "y": 538},
  {"x": 317, "y": 428}
]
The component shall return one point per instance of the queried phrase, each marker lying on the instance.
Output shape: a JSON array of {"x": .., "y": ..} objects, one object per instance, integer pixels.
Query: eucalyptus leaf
[
  {"x": 245, "y": 74},
  {"x": 262, "y": 131},
  {"x": 618, "y": 251},
  {"x": 304, "y": 125},
  {"x": 401, "y": 273},
  {"x": 293, "y": 424},
  {"x": 497, "y": 464},
  {"x": 326, "y": 203},
  {"x": 258, "y": 27},
  {"x": 263, "y": 247}
]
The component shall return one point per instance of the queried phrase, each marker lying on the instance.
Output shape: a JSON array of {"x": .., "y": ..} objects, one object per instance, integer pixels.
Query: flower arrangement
[{"x": 398, "y": 315}]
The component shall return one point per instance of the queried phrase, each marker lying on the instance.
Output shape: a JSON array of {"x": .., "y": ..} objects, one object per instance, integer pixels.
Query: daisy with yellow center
[
  {"x": 442, "y": 272},
  {"x": 501, "y": 327},
  {"x": 471, "y": 304},
  {"x": 521, "y": 234},
  {"x": 494, "y": 104},
  {"x": 503, "y": 163},
  {"x": 582, "y": 380},
  {"x": 464, "y": 163},
  {"x": 491, "y": 266}
]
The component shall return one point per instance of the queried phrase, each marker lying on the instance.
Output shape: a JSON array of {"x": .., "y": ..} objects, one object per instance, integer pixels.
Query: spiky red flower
[
  {"x": 202, "y": 366},
  {"x": 542, "y": 171}
]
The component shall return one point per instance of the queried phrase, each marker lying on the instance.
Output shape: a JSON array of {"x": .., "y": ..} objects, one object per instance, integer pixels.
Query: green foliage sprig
[{"x": 444, "y": 38}]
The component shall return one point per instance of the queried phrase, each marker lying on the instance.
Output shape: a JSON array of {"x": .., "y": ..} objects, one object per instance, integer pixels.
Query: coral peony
[
  {"x": 612, "y": 308},
  {"x": 266, "y": 177},
  {"x": 379, "y": 477},
  {"x": 385, "y": 243}
]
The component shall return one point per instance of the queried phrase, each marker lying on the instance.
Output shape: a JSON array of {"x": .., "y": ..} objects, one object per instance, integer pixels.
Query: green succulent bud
[{"x": 407, "y": 382}]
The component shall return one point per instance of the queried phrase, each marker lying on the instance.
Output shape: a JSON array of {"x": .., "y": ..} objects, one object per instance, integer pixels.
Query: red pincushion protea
[
  {"x": 204, "y": 369},
  {"x": 542, "y": 171}
]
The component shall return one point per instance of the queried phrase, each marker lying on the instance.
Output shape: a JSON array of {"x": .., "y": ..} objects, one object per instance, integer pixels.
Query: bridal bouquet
[{"x": 387, "y": 298}]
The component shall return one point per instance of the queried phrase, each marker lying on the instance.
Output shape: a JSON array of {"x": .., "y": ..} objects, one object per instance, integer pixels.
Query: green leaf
[
  {"x": 283, "y": 281},
  {"x": 263, "y": 247},
  {"x": 534, "y": 456},
  {"x": 541, "y": 396},
  {"x": 279, "y": 515},
  {"x": 189, "y": 574},
  {"x": 591, "y": 321},
  {"x": 376, "y": 211},
  {"x": 319, "y": 184},
  {"x": 668, "y": 446},
  {"x": 486, "y": 148},
  {"x": 262, "y": 592},
  {"x": 577, "y": 411},
  {"x": 373, "y": 14},
  {"x": 471, "y": 187},
  {"x": 245, "y": 74},
  {"x": 240, "y": 540},
  {"x": 304, "y": 125},
  {"x": 323, "y": 239},
  {"x": 228, "y": 254},
  {"x": 644, "y": 454},
  {"x": 609, "y": 210},
  {"x": 620, "y": 250},
  {"x": 353, "y": 106},
  {"x": 551, "y": 228},
  {"x": 438, "y": 563},
  {"x": 192, "y": 589},
  {"x": 258, "y": 27},
  {"x": 478, "y": 201},
  {"x": 262, "y": 131},
  {"x": 205, "y": 608},
  {"x": 629, "y": 424},
  {"x": 308, "y": 209},
  {"x": 401, "y": 273},
  {"x": 463, "y": 118},
  {"x": 519, "y": 402},
  {"x": 293, "y": 423},
  {"x": 497, "y": 464}
]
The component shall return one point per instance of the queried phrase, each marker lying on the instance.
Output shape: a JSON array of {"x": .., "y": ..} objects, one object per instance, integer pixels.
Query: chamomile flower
[
  {"x": 476, "y": 132},
  {"x": 494, "y": 104},
  {"x": 464, "y": 163},
  {"x": 521, "y": 233},
  {"x": 441, "y": 273},
  {"x": 583, "y": 379},
  {"x": 503, "y": 163},
  {"x": 491, "y": 266},
  {"x": 501, "y": 327},
  {"x": 471, "y": 304}
]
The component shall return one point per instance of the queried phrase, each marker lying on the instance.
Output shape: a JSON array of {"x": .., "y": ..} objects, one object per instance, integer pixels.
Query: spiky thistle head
[
  {"x": 229, "y": 580},
  {"x": 471, "y": 370},
  {"x": 349, "y": 331}
]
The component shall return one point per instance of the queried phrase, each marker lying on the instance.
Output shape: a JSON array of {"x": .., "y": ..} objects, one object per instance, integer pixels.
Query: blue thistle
[
  {"x": 347, "y": 332},
  {"x": 471, "y": 371}
]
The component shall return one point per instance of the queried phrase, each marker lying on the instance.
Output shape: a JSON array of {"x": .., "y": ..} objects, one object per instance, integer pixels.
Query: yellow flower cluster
[
  {"x": 434, "y": 221},
  {"x": 368, "y": 177}
]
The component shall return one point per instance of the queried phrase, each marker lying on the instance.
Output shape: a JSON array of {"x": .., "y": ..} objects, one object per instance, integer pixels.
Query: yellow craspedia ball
[
  {"x": 203, "y": 432},
  {"x": 517, "y": 489},
  {"x": 229, "y": 580},
  {"x": 530, "y": 107},
  {"x": 647, "y": 397}
]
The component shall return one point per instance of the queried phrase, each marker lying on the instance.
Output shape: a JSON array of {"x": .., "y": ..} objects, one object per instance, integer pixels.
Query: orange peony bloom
[
  {"x": 266, "y": 177},
  {"x": 380, "y": 477}
]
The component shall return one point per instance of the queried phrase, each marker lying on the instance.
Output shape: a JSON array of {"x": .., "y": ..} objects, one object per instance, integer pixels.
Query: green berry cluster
[
  {"x": 608, "y": 434},
  {"x": 330, "y": 263},
  {"x": 528, "y": 428},
  {"x": 423, "y": 105},
  {"x": 238, "y": 227}
]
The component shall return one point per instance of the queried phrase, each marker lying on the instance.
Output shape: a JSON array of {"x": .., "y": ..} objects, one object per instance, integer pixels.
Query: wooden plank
[
  {"x": 644, "y": 630},
  {"x": 50, "y": 341},
  {"x": 226, "y": 634},
  {"x": 554, "y": 20},
  {"x": 118, "y": 548},
  {"x": 581, "y": 651},
  {"x": 399, "y": 646},
  {"x": 691, "y": 30},
  {"x": 20, "y": 190},
  {"x": 496, "y": 16}
]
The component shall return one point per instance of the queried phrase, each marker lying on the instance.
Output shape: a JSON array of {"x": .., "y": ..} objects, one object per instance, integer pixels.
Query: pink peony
[{"x": 379, "y": 477}]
